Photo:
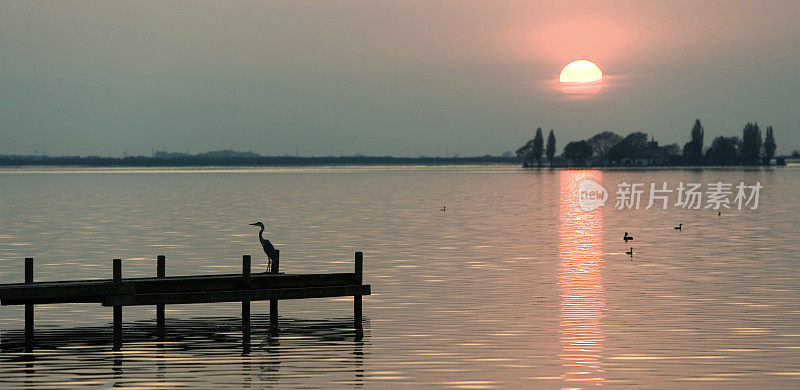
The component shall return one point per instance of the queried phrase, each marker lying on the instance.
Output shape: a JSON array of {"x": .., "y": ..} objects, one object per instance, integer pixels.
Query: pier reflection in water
[
  {"x": 581, "y": 283},
  {"x": 150, "y": 360}
]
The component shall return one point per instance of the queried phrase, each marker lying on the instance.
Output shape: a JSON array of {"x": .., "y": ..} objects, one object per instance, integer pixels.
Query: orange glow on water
[{"x": 581, "y": 283}]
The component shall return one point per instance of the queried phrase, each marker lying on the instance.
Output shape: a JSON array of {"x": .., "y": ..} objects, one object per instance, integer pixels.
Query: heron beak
[{"x": 254, "y": 224}]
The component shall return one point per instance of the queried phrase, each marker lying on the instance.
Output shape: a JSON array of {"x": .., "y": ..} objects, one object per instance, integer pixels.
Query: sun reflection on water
[{"x": 581, "y": 283}]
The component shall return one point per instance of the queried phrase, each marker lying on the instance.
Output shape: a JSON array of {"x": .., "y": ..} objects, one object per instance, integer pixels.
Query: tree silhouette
[
  {"x": 526, "y": 152},
  {"x": 672, "y": 153},
  {"x": 750, "y": 148},
  {"x": 723, "y": 151},
  {"x": 693, "y": 150},
  {"x": 551, "y": 147},
  {"x": 602, "y": 143},
  {"x": 538, "y": 146},
  {"x": 578, "y": 152},
  {"x": 632, "y": 147},
  {"x": 769, "y": 145}
]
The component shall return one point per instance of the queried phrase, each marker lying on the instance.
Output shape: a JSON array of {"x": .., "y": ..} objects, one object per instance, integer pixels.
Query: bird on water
[
  {"x": 627, "y": 237},
  {"x": 630, "y": 252},
  {"x": 444, "y": 208},
  {"x": 272, "y": 254},
  {"x": 679, "y": 227}
]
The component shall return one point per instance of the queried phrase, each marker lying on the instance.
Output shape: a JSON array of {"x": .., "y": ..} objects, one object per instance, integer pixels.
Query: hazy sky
[{"x": 404, "y": 78}]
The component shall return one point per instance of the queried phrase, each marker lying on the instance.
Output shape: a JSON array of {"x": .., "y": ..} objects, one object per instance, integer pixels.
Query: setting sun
[
  {"x": 581, "y": 78},
  {"x": 580, "y": 71}
]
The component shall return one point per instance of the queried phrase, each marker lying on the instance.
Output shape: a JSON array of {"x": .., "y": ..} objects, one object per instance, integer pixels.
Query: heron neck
[{"x": 261, "y": 233}]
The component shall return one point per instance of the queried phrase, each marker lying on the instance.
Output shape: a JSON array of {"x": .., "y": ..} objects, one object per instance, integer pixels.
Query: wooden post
[
  {"x": 273, "y": 303},
  {"x": 161, "y": 272},
  {"x": 246, "y": 262},
  {"x": 28, "y": 306},
  {"x": 275, "y": 266},
  {"x": 359, "y": 271},
  {"x": 117, "y": 271}
]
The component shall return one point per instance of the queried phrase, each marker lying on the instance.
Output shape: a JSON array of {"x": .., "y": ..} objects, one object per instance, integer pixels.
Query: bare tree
[{"x": 602, "y": 143}]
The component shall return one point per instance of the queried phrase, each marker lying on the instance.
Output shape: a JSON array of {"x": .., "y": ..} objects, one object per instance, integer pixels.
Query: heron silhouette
[
  {"x": 272, "y": 255},
  {"x": 627, "y": 237},
  {"x": 679, "y": 227}
]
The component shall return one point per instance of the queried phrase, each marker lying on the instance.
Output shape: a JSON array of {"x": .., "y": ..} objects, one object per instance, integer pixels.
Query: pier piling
[
  {"x": 273, "y": 303},
  {"x": 28, "y": 306},
  {"x": 246, "y": 281},
  {"x": 161, "y": 273},
  {"x": 359, "y": 271},
  {"x": 117, "y": 276}
]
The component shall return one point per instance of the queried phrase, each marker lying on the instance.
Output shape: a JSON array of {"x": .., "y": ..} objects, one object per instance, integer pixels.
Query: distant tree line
[
  {"x": 216, "y": 159},
  {"x": 637, "y": 149}
]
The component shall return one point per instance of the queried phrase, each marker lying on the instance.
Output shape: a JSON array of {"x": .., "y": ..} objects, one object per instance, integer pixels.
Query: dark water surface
[{"x": 512, "y": 286}]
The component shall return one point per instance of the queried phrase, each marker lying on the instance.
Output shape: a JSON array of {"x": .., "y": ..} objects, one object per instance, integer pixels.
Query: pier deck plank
[
  {"x": 97, "y": 290},
  {"x": 236, "y": 295}
]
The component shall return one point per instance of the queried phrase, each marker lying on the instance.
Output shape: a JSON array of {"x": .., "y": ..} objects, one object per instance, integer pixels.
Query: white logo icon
[{"x": 590, "y": 195}]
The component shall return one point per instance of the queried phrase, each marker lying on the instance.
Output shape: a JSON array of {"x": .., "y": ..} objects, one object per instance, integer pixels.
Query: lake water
[{"x": 513, "y": 286}]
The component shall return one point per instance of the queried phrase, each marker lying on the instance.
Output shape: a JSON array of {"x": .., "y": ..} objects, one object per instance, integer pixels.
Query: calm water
[{"x": 511, "y": 287}]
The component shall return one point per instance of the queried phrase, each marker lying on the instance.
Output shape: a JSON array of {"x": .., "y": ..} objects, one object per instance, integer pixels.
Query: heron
[
  {"x": 627, "y": 237},
  {"x": 272, "y": 254},
  {"x": 679, "y": 227},
  {"x": 630, "y": 252}
]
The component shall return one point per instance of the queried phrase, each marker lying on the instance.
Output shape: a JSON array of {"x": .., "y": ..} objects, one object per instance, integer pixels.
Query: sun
[
  {"x": 581, "y": 77},
  {"x": 580, "y": 71}
]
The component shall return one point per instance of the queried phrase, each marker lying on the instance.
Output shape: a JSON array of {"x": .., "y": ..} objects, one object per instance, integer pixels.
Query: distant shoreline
[
  {"x": 287, "y": 161},
  {"x": 283, "y": 161}
]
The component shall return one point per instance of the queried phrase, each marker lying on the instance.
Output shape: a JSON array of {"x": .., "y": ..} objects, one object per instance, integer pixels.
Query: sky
[{"x": 373, "y": 77}]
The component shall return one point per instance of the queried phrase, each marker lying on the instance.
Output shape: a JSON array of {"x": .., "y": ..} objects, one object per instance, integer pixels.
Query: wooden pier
[{"x": 162, "y": 290}]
